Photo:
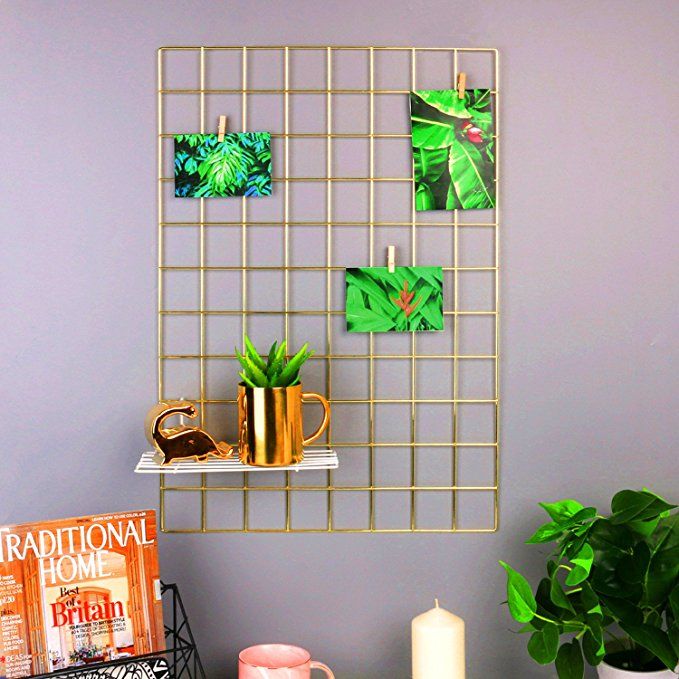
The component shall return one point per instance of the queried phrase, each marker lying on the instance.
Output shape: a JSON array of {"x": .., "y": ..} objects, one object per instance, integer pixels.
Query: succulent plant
[{"x": 277, "y": 370}]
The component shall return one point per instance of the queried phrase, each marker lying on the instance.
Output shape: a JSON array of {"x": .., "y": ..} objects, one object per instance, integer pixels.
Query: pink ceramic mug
[{"x": 278, "y": 661}]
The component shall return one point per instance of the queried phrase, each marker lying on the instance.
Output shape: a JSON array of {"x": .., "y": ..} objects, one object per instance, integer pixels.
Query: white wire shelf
[{"x": 313, "y": 461}]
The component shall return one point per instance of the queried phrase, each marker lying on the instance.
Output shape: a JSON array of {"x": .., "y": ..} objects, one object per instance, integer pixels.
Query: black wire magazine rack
[{"x": 181, "y": 652}]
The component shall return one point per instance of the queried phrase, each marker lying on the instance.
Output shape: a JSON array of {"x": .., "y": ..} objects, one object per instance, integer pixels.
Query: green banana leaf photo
[
  {"x": 408, "y": 300},
  {"x": 207, "y": 168},
  {"x": 453, "y": 150}
]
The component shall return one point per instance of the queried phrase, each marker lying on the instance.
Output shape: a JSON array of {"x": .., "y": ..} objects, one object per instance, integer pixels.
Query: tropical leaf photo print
[
  {"x": 453, "y": 150},
  {"x": 408, "y": 300},
  {"x": 207, "y": 168}
]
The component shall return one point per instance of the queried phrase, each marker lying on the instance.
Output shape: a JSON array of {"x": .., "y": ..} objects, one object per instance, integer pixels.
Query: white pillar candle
[{"x": 438, "y": 645}]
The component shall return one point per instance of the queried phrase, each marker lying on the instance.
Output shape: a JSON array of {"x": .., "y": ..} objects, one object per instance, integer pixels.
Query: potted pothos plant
[{"x": 610, "y": 596}]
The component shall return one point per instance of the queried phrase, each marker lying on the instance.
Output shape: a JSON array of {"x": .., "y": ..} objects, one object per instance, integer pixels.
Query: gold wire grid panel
[{"x": 415, "y": 416}]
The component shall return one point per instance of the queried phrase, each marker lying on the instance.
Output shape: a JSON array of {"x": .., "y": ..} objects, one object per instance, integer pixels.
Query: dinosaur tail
[{"x": 226, "y": 450}]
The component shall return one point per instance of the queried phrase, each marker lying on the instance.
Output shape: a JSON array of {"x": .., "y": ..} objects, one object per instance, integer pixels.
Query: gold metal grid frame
[{"x": 416, "y": 416}]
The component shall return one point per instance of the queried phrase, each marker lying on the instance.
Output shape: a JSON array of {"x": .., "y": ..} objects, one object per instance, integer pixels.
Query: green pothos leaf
[
  {"x": 569, "y": 661},
  {"x": 544, "y": 644},
  {"x": 674, "y": 602},
  {"x": 545, "y": 533},
  {"x": 590, "y": 601},
  {"x": 557, "y": 595},
  {"x": 655, "y": 640},
  {"x": 673, "y": 635},
  {"x": 562, "y": 510},
  {"x": 520, "y": 599},
  {"x": 663, "y": 569},
  {"x": 639, "y": 505},
  {"x": 593, "y": 648},
  {"x": 583, "y": 564}
]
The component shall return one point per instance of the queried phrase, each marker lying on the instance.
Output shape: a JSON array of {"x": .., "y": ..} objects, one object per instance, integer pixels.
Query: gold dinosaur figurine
[{"x": 182, "y": 442}]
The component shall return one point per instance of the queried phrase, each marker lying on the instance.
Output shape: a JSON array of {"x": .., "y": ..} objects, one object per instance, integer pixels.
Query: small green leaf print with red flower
[
  {"x": 453, "y": 150},
  {"x": 409, "y": 299}
]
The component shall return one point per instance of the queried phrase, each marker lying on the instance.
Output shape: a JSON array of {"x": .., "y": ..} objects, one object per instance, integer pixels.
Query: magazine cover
[{"x": 79, "y": 591}]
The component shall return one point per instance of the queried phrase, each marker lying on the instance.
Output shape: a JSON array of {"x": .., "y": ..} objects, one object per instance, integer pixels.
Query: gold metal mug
[{"x": 270, "y": 430}]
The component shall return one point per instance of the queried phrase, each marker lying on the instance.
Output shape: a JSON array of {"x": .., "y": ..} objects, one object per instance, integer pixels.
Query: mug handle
[
  {"x": 326, "y": 418},
  {"x": 242, "y": 430},
  {"x": 320, "y": 666}
]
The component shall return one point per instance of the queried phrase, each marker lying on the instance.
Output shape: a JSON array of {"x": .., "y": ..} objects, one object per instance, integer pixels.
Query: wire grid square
[{"x": 415, "y": 427}]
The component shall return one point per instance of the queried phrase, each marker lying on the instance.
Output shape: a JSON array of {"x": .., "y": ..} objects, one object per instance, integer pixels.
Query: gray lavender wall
[{"x": 589, "y": 327}]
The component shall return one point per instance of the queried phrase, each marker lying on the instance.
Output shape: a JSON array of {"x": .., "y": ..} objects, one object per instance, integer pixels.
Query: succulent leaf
[
  {"x": 254, "y": 355},
  {"x": 246, "y": 379}
]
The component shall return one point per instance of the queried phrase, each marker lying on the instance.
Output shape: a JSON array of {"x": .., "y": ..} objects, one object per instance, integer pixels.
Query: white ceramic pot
[{"x": 607, "y": 672}]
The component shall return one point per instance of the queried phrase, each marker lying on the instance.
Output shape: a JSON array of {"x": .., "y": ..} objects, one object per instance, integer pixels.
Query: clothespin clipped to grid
[
  {"x": 222, "y": 128},
  {"x": 391, "y": 258},
  {"x": 461, "y": 84}
]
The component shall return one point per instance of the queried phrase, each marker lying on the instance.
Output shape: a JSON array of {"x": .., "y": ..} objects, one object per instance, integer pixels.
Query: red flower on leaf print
[
  {"x": 474, "y": 134},
  {"x": 404, "y": 299}
]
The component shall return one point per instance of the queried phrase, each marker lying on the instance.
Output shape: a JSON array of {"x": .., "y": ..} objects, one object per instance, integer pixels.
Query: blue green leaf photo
[
  {"x": 408, "y": 300},
  {"x": 205, "y": 167}
]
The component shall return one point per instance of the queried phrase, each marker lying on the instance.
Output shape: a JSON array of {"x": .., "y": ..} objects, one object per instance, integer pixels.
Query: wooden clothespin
[
  {"x": 391, "y": 258},
  {"x": 222, "y": 128},
  {"x": 461, "y": 84}
]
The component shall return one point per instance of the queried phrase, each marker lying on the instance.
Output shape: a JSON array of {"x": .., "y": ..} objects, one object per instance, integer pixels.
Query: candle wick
[{"x": 436, "y": 602}]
